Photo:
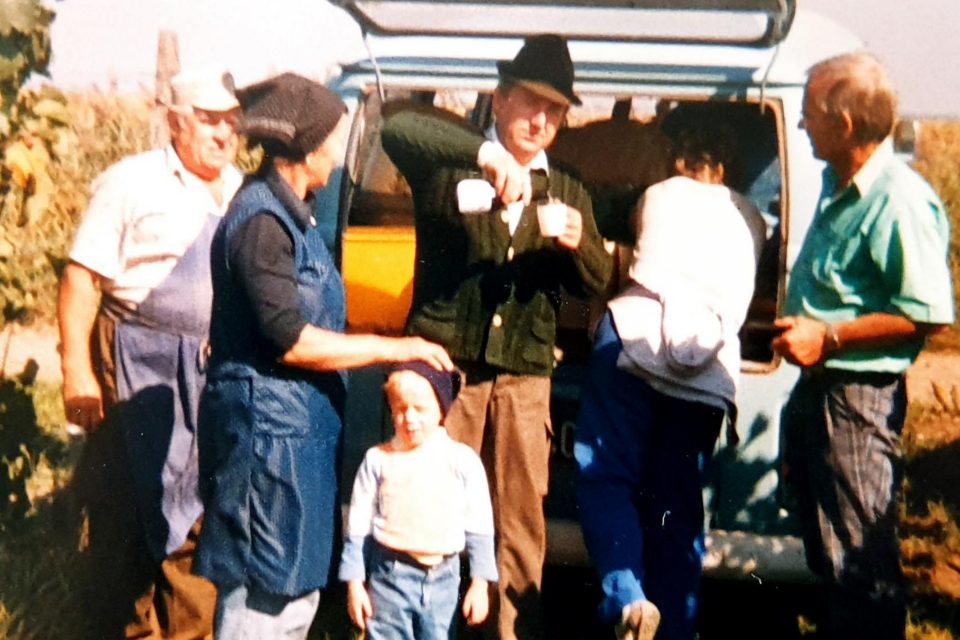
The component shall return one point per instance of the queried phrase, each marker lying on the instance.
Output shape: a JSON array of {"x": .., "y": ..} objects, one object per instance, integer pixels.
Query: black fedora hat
[{"x": 543, "y": 65}]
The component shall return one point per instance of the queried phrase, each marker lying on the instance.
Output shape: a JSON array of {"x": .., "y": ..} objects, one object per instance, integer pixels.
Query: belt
[
  {"x": 408, "y": 559},
  {"x": 832, "y": 375},
  {"x": 119, "y": 312}
]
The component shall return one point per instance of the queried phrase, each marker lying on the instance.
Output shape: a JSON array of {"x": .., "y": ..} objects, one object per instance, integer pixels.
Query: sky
[
  {"x": 918, "y": 41},
  {"x": 106, "y": 42}
]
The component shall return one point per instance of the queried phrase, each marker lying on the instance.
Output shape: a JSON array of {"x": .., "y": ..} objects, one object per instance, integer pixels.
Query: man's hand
[
  {"x": 83, "y": 400},
  {"x": 802, "y": 341},
  {"x": 358, "y": 604},
  {"x": 573, "y": 232},
  {"x": 416, "y": 348},
  {"x": 510, "y": 180},
  {"x": 76, "y": 315},
  {"x": 476, "y": 602}
]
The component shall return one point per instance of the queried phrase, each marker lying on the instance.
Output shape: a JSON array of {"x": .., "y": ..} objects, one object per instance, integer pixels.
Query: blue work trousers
[{"x": 641, "y": 457}]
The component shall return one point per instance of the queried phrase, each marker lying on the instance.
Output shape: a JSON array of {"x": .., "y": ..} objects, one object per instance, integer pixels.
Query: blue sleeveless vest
[{"x": 269, "y": 434}]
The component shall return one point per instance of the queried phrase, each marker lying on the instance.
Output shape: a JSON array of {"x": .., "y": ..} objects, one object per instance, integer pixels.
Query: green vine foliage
[
  {"x": 32, "y": 129},
  {"x": 24, "y": 48}
]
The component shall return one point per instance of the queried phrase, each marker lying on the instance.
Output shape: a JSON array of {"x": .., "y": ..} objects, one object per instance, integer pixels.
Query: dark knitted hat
[
  {"x": 543, "y": 65},
  {"x": 446, "y": 384},
  {"x": 289, "y": 114}
]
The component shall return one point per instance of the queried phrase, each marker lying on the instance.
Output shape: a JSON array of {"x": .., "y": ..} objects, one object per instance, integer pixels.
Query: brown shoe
[{"x": 639, "y": 621}]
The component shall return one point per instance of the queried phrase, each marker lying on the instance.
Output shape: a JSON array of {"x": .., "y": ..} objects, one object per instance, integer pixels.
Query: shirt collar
[
  {"x": 299, "y": 210},
  {"x": 174, "y": 163},
  {"x": 868, "y": 174},
  {"x": 865, "y": 177},
  {"x": 539, "y": 161},
  {"x": 229, "y": 175}
]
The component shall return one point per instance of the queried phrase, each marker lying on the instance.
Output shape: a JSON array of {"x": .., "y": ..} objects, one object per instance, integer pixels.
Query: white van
[{"x": 646, "y": 60}]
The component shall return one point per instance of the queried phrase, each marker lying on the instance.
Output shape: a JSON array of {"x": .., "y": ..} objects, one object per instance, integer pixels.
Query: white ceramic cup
[
  {"x": 475, "y": 196},
  {"x": 552, "y": 217}
]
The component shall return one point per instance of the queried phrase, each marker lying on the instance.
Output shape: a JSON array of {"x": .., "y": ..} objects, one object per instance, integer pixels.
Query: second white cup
[{"x": 552, "y": 217}]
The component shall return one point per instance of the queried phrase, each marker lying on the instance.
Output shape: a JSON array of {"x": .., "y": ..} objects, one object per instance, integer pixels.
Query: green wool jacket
[{"x": 486, "y": 296}]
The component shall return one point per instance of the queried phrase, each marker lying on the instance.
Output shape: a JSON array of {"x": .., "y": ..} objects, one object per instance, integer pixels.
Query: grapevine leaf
[
  {"x": 52, "y": 109},
  {"x": 39, "y": 128},
  {"x": 39, "y": 200},
  {"x": 40, "y": 43},
  {"x": 12, "y": 67},
  {"x": 18, "y": 160},
  {"x": 21, "y": 15},
  {"x": 50, "y": 92}
]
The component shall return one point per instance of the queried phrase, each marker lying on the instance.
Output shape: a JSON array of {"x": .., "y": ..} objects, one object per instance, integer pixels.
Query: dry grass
[
  {"x": 930, "y": 513},
  {"x": 930, "y": 536},
  {"x": 938, "y": 159}
]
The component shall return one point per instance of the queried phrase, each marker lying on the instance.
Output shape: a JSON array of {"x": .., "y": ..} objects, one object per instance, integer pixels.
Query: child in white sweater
[{"x": 418, "y": 501}]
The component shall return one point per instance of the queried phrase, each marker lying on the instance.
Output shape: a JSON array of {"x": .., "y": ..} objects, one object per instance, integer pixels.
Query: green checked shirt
[{"x": 879, "y": 245}]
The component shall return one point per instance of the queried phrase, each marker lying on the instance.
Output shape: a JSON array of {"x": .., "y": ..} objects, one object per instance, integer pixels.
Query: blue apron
[
  {"x": 158, "y": 353},
  {"x": 270, "y": 434}
]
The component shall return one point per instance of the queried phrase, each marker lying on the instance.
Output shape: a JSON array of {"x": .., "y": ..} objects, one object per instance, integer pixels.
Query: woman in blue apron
[{"x": 271, "y": 413}]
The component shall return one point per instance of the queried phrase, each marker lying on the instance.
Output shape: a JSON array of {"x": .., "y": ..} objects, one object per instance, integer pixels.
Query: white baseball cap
[{"x": 207, "y": 89}]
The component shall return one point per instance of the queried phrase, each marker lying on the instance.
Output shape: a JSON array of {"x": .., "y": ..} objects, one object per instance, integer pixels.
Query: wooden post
[{"x": 168, "y": 65}]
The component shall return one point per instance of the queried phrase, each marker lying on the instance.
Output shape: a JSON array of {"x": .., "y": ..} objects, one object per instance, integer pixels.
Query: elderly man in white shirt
[{"x": 134, "y": 312}]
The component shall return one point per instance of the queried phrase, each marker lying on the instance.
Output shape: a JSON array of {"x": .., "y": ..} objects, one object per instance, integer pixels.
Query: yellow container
[{"x": 378, "y": 276}]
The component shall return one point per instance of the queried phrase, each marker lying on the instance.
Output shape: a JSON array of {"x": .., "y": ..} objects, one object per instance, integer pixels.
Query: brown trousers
[
  {"x": 178, "y": 605},
  {"x": 129, "y": 594},
  {"x": 505, "y": 418}
]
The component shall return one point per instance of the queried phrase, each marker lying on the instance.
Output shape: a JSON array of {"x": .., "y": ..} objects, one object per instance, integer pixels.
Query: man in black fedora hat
[{"x": 488, "y": 283}]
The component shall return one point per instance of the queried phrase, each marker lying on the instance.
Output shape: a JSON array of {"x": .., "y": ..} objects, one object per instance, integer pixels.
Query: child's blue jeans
[
  {"x": 640, "y": 455},
  {"x": 411, "y": 601}
]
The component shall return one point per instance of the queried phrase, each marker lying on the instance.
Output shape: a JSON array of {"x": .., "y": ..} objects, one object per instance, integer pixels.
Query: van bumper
[{"x": 731, "y": 555}]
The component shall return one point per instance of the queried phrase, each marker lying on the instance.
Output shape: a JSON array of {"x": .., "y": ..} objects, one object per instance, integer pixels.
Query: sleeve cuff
[
  {"x": 487, "y": 150},
  {"x": 480, "y": 553},
  {"x": 918, "y": 311},
  {"x": 352, "y": 566}
]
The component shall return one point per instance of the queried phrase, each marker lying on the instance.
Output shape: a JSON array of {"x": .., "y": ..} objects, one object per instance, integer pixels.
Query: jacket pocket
[
  {"x": 280, "y": 408},
  {"x": 538, "y": 348}
]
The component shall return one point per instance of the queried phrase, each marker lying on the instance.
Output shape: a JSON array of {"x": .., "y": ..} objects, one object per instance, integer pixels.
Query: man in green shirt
[
  {"x": 488, "y": 285},
  {"x": 870, "y": 283}
]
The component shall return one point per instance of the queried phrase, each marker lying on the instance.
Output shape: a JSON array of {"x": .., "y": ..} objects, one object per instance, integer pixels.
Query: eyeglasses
[{"x": 214, "y": 118}]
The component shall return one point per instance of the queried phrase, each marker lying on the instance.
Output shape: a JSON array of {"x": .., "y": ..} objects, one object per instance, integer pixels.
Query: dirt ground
[{"x": 18, "y": 345}]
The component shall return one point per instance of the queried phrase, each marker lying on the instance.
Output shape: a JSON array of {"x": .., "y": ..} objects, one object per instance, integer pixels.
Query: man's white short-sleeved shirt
[{"x": 144, "y": 214}]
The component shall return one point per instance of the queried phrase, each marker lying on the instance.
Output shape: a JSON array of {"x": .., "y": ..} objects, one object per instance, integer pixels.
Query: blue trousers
[
  {"x": 641, "y": 457},
  {"x": 410, "y": 601}
]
